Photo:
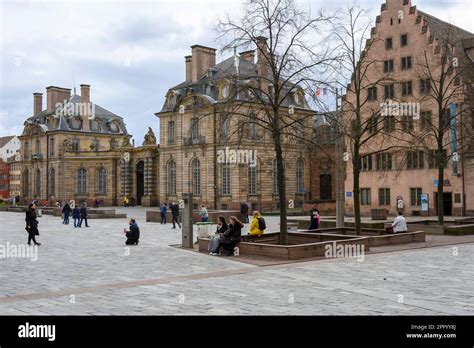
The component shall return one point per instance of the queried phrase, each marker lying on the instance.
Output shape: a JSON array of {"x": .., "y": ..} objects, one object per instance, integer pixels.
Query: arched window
[
  {"x": 275, "y": 177},
  {"x": 171, "y": 171},
  {"x": 225, "y": 178},
  {"x": 82, "y": 181},
  {"x": 252, "y": 180},
  {"x": 299, "y": 176},
  {"x": 52, "y": 181},
  {"x": 26, "y": 151},
  {"x": 196, "y": 175},
  {"x": 101, "y": 181},
  {"x": 26, "y": 183},
  {"x": 37, "y": 183}
]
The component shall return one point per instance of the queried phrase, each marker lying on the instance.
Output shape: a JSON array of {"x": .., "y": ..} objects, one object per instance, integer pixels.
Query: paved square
[{"x": 90, "y": 271}]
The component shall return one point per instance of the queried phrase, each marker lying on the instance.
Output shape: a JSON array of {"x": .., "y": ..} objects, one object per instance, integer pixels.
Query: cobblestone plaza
[{"x": 89, "y": 271}]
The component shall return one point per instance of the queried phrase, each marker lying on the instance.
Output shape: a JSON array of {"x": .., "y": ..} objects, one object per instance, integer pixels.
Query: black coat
[
  {"x": 67, "y": 209},
  {"x": 233, "y": 234},
  {"x": 223, "y": 228},
  {"x": 134, "y": 233},
  {"x": 31, "y": 221},
  {"x": 174, "y": 209},
  {"x": 83, "y": 212}
]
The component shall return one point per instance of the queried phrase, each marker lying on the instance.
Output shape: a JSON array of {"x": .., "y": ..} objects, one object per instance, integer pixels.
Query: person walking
[
  {"x": 163, "y": 209},
  {"x": 399, "y": 224},
  {"x": 76, "y": 215},
  {"x": 175, "y": 214},
  {"x": 134, "y": 234},
  {"x": 314, "y": 224},
  {"x": 204, "y": 214},
  {"x": 258, "y": 224},
  {"x": 83, "y": 214},
  {"x": 66, "y": 211},
  {"x": 32, "y": 224}
]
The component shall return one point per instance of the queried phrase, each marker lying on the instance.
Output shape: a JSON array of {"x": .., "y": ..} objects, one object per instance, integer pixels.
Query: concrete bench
[{"x": 459, "y": 230}]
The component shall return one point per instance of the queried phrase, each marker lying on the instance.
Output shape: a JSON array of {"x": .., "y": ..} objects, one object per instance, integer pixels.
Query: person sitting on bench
[
  {"x": 399, "y": 223},
  {"x": 230, "y": 237},
  {"x": 134, "y": 234}
]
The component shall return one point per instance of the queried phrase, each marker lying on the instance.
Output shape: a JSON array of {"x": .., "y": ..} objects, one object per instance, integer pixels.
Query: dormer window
[{"x": 113, "y": 126}]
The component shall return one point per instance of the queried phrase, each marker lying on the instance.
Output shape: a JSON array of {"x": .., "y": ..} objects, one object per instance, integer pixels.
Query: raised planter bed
[
  {"x": 300, "y": 245},
  {"x": 459, "y": 230}
]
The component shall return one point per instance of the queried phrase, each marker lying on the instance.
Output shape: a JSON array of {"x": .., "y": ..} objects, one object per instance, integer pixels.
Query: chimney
[
  {"x": 249, "y": 56},
  {"x": 189, "y": 67},
  {"x": 202, "y": 59},
  {"x": 263, "y": 57},
  {"x": 55, "y": 95},
  {"x": 37, "y": 103},
  {"x": 85, "y": 107}
]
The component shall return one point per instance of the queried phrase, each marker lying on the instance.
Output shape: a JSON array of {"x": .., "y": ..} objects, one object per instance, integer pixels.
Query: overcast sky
[{"x": 130, "y": 52}]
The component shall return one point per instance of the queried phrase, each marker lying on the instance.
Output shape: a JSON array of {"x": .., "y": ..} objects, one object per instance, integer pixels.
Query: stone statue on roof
[{"x": 150, "y": 138}]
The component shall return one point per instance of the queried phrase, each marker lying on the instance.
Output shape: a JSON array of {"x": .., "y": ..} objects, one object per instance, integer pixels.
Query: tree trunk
[
  {"x": 281, "y": 189},
  {"x": 356, "y": 191}
]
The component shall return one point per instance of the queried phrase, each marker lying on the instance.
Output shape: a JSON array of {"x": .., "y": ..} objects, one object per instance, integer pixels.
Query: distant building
[
  {"x": 199, "y": 136},
  {"x": 15, "y": 176},
  {"x": 4, "y": 180},
  {"x": 401, "y": 36},
  {"x": 9, "y": 146},
  {"x": 70, "y": 150}
]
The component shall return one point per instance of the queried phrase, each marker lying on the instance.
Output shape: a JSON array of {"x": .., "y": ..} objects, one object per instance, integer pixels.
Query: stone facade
[
  {"x": 397, "y": 19},
  {"x": 196, "y": 129}
]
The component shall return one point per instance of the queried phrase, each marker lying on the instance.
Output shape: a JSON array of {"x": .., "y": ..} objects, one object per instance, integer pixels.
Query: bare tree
[
  {"x": 367, "y": 130},
  {"x": 445, "y": 79},
  {"x": 289, "y": 58}
]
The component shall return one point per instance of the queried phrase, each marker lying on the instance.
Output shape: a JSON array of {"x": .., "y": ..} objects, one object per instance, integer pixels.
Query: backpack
[{"x": 261, "y": 224}]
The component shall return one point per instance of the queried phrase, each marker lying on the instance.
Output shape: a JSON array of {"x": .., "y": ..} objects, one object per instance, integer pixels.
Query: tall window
[
  {"x": 373, "y": 124},
  {"x": 299, "y": 176},
  {"x": 51, "y": 147},
  {"x": 425, "y": 86},
  {"x": 407, "y": 123},
  {"x": 415, "y": 196},
  {"x": 252, "y": 180},
  {"x": 82, "y": 181},
  {"x": 253, "y": 130},
  {"x": 389, "y": 124},
  {"x": 406, "y": 88},
  {"x": 365, "y": 196},
  {"x": 404, "y": 40},
  {"x": 225, "y": 125},
  {"x": 225, "y": 178},
  {"x": 365, "y": 163},
  {"x": 384, "y": 196},
  {"x": 171, "y": 171},
  {"x": 171, "y": 132},
  {"x": 415, "y": 160},
  {"x": 37, "y": 146},
  {"x": 52, "y": 181},
  {"x": 372, "y": 93},
  {"x": 384, "y": 161},
  {"x": 26, "y": 151},
  {"x": 388, "y": 43},
  {"x": 26, "y": 183},
  {"x": 101, "y": 181},
  {"x": 406, "y": 63},
  {"x": 388, "y": 66},
  {"x": 196, "y": 168},
  {"x": 194, "y": 130},
  {"x": 37, "y": 183},
  {"x": 275, "y": 176},
  {"x": 389, "y": 91}
]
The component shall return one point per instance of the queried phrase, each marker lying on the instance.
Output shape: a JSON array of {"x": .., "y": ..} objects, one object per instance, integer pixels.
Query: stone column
[{"x": 149, "y": 198}]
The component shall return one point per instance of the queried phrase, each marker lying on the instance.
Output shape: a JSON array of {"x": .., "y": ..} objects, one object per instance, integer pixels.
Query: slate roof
[
  {"x": 102, "y": 115},
  {"x": 207, "y": 84},
  {"x": 5, "y": 140}
]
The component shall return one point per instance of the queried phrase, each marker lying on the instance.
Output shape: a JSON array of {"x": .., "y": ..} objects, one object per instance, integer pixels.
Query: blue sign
[
  {"x": 349, "y": 194},
  {"x": 436, "y": 182}
]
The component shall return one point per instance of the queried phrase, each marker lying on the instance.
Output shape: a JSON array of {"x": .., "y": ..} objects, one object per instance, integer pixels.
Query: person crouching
[{"x": 134, "y": 234}]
